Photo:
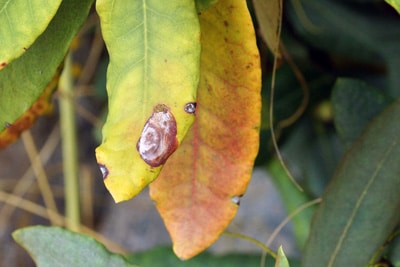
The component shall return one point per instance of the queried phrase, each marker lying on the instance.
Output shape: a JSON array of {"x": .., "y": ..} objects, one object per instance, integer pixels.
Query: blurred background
[{"x": 322, "y": 40}]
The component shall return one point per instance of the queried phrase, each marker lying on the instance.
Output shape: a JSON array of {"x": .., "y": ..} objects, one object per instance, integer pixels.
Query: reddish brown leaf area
[
  {"x": 42, "y": 106},
  {"x": 214, "y": 162}
]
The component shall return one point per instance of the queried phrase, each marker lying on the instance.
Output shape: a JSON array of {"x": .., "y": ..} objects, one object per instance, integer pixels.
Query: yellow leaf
[
  {"x": 198, "y": 191},
  {"x": 152, "y": 76}
]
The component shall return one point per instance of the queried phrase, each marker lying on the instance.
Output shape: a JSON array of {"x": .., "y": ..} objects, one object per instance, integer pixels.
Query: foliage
[{"x": 192, "y": 69}]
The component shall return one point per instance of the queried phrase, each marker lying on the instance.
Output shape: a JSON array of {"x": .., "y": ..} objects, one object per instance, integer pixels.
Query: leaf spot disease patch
[
  {"x": 104, "y": 170},
  {"x": 190, "y": 107},
  {"x": 158, "y": 139}
]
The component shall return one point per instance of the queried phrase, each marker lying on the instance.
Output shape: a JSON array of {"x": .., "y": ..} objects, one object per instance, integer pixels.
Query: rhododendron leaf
[
  {"x": 153, "y": 74},
  {"x": 198, "y": 191}
]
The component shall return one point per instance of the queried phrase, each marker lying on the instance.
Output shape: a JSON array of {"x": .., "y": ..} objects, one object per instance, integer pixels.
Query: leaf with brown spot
[
  {"x": 197, "y": 191},
  {"x": 42, "y": 106},
  {"x": 24, "y": 80}
]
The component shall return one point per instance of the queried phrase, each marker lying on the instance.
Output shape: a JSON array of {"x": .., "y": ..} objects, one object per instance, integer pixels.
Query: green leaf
[
  {"x": 21, "y": 23},
  {"x": 164, "y": 257},
  {"x": 394, "y": 251},
  {"x": 54, "y": 246},
  {"x": 395, "y": 4},
  {"x": 361, "y": 205},
  {"x": 154, "y": 49},
  {"x": 361, "y": 33},
  {"x": 354, "y": 104},
  {"x": 281, "y": 260},
  {"x": 23, "y": 81},
  {"x": 292, "y": 199}
]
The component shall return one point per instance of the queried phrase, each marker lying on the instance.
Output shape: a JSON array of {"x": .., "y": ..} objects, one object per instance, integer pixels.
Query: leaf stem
[
  {"x": 252, "y": 240},
  {"x": 69, "y": 147}
]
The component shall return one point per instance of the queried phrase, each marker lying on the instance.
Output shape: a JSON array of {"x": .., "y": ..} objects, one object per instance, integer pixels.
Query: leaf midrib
[{"x": 358, "y": 205}]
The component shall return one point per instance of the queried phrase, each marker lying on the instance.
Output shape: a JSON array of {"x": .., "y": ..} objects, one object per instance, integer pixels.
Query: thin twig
[
  {"x": 40, "y": 173},
  {"x": 25, "y": 182},
  {"x": 265, "y": 248},
  {"x": 59, "y": 219}
]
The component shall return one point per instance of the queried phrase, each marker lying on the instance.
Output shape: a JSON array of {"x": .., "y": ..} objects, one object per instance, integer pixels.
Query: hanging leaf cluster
[{"x": 184, "y": 100}]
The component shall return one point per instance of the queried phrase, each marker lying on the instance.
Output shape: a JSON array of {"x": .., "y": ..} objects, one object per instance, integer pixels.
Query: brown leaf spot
[
  {"x": 190, "y": 108},
  {"x": 158, "y": 139}
]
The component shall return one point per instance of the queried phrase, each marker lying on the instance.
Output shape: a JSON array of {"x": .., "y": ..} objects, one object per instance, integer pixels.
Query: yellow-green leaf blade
[
  {"x": 154, "y": 49},
  {"x": 199, "y": 189},
  {"x": 395, "y": 4},
  {"x": 24, "y": 80},
  {"x": 281, "y": 260},
  {"x": 21, "y": 23}
]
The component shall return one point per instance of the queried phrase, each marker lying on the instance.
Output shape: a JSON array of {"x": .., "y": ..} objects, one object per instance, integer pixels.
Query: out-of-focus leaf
[
  {"x": 367, "y": 35},
  {"x": 355, "y": 103},
  {"x": 154, "y": 50},
  {"x": 281, "y": 260},
  {"x": 23, "y": 81},
  {"x": 394, "y": 252},
  {"x": 54, "y": 246},
  {"x": 198, "y": 191},
  {"x": 361, "y": 205},
  {"x": 395, "y": 4},
  {"x": 312, "y": 152},
  {"x": 21, "y": 23},
  {"x": 292, "y": 199},
  {"x": 269, "y": 16},
  {"x": 164, "y": 257}
]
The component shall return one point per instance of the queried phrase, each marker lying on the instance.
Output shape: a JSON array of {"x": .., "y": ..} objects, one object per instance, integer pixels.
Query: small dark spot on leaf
[
  {"x": 190, "y": 107},
  {"x": 3, "y": 64},
  {"x": 104, "y": 170},
  {"x": 236, "y": 199},
  {"x": 226, "y": 23},
  {"x": 25, "y": 48}
]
